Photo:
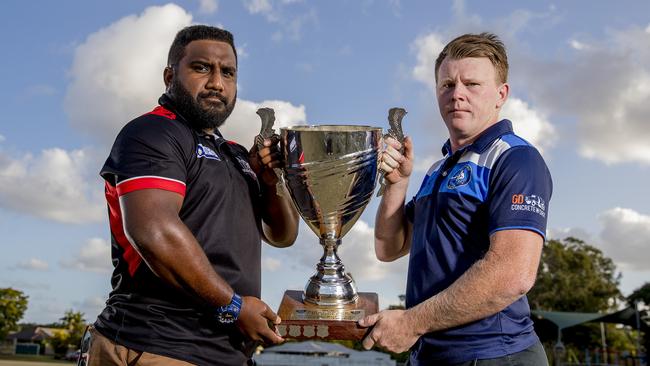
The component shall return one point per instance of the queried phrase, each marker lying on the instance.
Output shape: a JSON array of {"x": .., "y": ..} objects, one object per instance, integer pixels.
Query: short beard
[{"x": 192, "y": 111}]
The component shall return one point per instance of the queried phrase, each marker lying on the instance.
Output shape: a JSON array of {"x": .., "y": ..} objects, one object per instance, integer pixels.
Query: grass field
[{"x": 27, "y": 360}]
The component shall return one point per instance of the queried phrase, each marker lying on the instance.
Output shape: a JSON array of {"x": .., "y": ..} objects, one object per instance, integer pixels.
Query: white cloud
[
  {"x": 33, "y": 264},
  {"x": 290, "y": 23},
  {"x": 271, "y": 264},
  {"x": 2, "y": 138},
  {"x": 116, "y": 73},
  {"x": 244, "y": 124},
  {"x": 530, "y": 124},
  {"x": 56, "y": 184},
  {"x": 606, "y": 86},
  {"x": 563, "y": 233},
  {"x": 242, "y": 51},
  {"x": 358, "y": 254},
  {"x": 423, "y": 164},
  {"x": 94, "y": 256},
  {"x": 208, "y": 6},
  {"x": 578, "y": 45},
  {"x": 258, "y": 6},
  {"x": 625, "y": 237},
  {"x": 427, "y": 49}
]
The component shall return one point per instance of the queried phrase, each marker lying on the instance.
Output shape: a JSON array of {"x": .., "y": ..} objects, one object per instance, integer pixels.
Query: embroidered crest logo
[
  {"x": 246, "y": 168},
  {"x": 461, "y": 178},
  {"x": 206, "y": 152}
]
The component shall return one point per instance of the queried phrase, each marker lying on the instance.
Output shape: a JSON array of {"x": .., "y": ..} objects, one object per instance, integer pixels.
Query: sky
[{"x": 74, "y": 72}]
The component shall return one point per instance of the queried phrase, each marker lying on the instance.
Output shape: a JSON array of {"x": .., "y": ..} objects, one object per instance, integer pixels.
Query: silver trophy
[{"x": 331, "y": 172}]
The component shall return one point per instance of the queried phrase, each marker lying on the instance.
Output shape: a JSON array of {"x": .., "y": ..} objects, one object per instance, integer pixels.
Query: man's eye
[{"x": 201, "y": 68}]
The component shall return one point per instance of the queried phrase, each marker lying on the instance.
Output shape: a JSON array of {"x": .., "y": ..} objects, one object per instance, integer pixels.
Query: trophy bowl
[{"x": 331, "y": 172}]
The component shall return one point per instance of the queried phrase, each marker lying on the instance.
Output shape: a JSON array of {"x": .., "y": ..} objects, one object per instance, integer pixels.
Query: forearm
[
  {"x": 392, "y": 229},
  {"x": 174, "y": 255},
  {"x": 279, "y": 217},
  {"x": 483, "y": 290}
]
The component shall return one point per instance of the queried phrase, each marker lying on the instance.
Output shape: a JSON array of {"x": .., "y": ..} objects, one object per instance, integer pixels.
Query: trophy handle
[
  {"x": 395, "y": 131},
  {"x": 267, "y": 132}
]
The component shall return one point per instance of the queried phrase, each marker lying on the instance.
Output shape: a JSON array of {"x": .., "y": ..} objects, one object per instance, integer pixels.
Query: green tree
[
  {"x": 13, "y": 304},
  {"x": 72, "y": 326},
  {"x": 642, "y": 294},
  {"x": 575, "y": 276}
]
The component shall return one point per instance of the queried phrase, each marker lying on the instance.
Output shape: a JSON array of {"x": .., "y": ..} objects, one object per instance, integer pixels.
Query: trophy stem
[{"x": 330, "y": 286}]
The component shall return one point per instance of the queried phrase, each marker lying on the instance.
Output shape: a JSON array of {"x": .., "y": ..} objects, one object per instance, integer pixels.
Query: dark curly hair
[{"x": 196, "y": 33}]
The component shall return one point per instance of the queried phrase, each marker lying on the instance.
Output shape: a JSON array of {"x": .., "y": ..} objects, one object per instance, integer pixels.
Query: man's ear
[
  {"x": 504, "y": 91},
  {"x": 168, "y": 75}
]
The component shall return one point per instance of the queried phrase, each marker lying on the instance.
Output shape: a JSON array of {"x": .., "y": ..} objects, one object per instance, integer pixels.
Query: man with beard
[{"x": 187, "y": 210}]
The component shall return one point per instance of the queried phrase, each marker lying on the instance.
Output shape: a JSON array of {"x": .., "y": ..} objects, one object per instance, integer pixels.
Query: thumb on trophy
[{"x": 368, "y": 321}]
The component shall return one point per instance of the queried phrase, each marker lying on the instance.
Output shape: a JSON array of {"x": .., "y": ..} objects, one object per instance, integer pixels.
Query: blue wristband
[{"x": 228, "y": 314}]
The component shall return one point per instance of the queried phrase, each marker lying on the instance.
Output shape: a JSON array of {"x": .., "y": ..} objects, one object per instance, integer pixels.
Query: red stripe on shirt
[
  {"x": 149, "y": 182},
  {"x": 130, "y": 255},
  {"x": 164, "y": 112}
]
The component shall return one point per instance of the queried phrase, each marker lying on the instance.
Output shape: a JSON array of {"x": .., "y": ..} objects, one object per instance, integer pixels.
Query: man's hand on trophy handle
[
  {"x": 271, "y": 160},
  {"x": 395, "y": 165}
]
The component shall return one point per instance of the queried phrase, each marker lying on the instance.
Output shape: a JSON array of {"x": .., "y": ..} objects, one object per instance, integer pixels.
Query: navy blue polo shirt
[{"x": 499, "y": 182}]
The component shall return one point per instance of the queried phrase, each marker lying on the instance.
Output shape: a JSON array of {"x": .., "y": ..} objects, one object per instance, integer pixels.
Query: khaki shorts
[{"x": 104, "y": 352}]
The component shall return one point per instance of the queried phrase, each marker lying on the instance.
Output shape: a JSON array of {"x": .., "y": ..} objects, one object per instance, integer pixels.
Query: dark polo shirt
[{"x": 160, "y": 150}]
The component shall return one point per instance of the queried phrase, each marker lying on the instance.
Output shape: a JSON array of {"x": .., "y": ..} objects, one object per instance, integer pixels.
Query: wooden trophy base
[{"x": 311, "y": 322}]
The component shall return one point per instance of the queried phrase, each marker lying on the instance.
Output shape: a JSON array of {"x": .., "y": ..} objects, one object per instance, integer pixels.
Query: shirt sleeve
[
  {"x": 149, "y": 152},
  {"x": 409, "y": 210},
  {"x": 520, "y": 191}
]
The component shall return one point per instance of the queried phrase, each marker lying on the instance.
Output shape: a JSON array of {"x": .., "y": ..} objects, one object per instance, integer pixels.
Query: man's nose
[
  {"x": 215, "y": 81},
  {"x": 458, "y": 93}
]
